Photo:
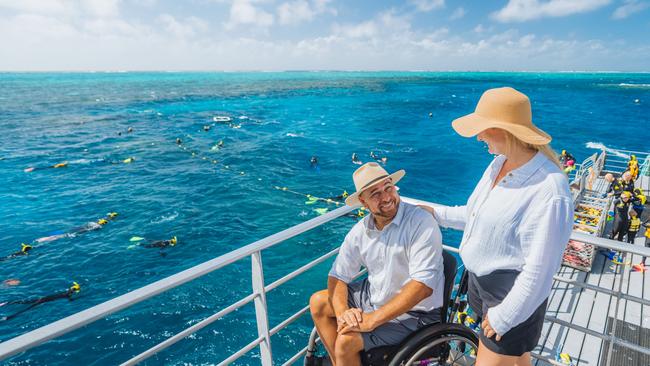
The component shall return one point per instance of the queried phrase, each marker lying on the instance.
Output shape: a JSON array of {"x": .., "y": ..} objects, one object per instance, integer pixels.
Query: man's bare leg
[
  {"x": 347, "y": 349},
  {"x": 325, "y": 321}
]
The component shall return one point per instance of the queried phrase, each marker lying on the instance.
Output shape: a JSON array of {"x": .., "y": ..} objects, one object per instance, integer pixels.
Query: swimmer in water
[
  {"x": 378, "y": 159},
  {"x": 89, "y": 226},
  {"x": 68, "y": 294},
  {"x": 55, "y": 166},
  {"x": 355, "y": 159},
  {"x": 24, "y": 250},
  {"x": 11, "y": 282},
  {"x": 160, "y": 244}
]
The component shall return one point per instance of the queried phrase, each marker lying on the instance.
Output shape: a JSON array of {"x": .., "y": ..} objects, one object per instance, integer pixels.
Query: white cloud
[
  {"x": 457, "y": 14},
  {"x": 630, "y": 7},
  {"x": 101, "y": 8},
  {"x": 386, "y": 41},
  {"x": 479, "y": 28},
  {"x": 362, "y": 30},
  {"x": 299, "y": 11},
  {"x": 95, "y": 8},
  {"x": 38, "y": 6},
  {"x": 385, "y": 24},
  {"x": 188, "y": 27},
  {"x": 243, "y": 12},
  {"x": 522, "y": 10},
  {"x": 428, "y": 5}
]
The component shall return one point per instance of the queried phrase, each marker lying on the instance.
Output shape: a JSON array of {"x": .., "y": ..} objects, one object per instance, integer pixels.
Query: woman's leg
[
  {"x": 487, "y": 357},
  {"x": 524, "y": 360}
]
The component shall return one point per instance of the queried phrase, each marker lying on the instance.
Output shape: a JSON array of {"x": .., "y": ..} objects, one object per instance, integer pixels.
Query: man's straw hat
[
  {"x": 367, "y": 176},
  {"x": 503, "y": 108}
]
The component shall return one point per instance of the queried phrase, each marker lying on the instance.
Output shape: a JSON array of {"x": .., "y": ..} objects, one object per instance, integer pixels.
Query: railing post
[{"x": 260, "y": 308}]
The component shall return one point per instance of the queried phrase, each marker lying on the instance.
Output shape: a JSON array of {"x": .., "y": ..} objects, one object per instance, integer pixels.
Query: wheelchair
[{"x": 444, "y": 343}]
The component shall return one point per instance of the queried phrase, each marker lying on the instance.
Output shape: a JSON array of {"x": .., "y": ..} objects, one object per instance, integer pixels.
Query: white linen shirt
[
  {"x": 523, "y": 223},
  {"x": 409, "y": 248}
]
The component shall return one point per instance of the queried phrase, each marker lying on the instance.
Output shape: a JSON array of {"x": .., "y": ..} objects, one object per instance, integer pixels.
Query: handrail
[{"x": 70, "y": 323}]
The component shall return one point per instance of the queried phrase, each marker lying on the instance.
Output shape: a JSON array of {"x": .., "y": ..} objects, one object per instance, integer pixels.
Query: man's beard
[{"x": 387, "y": 213}]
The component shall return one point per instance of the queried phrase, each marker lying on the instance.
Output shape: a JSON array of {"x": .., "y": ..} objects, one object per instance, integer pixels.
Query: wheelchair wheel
[{"x": 441, "y": 344}]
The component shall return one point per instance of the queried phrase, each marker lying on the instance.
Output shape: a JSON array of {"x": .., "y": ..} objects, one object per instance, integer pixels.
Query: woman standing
[{"x": 516, "y": 225}]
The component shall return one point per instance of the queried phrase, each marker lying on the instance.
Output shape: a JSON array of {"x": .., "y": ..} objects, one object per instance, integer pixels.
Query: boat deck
[{"x": 596, "y": 311}]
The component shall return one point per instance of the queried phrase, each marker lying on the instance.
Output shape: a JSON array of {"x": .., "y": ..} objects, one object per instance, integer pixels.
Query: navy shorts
[
  {"x": 394, "y": 331},
  {"x": 488, "y": 291}
]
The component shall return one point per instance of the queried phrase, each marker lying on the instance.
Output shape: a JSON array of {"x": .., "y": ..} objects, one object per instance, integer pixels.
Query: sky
[{"x": 274, "y": 35}]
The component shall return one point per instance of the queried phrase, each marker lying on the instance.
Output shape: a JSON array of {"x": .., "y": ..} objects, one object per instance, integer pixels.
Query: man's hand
[
  {"x": 351, "y": 317},
  {"x": 367, "y": 325},
  {"x": 487, "y": 329}
]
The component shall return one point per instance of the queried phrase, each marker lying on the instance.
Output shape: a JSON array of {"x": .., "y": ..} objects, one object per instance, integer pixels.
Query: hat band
[{"x": 373, "y": 181}]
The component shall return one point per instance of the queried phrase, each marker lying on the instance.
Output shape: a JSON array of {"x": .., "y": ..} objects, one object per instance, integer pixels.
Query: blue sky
[{"x": 530, "y": 35}]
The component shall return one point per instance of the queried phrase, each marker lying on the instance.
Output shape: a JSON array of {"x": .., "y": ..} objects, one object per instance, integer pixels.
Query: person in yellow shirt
[
  {"x": 633, "y": 166},
  {"x": 633, "y": 227}
]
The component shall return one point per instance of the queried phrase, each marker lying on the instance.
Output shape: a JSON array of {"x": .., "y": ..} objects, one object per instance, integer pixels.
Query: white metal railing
[
  {"x": 582, "y": 169},
  {"x": 258, "y": 296}
]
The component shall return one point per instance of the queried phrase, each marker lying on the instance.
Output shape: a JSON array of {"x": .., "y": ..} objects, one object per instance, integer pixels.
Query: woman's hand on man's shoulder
[{"x": 429, "y": 209}]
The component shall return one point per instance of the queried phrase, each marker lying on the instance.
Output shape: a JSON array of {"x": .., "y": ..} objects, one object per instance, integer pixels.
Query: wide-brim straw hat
[
  {"x": 504, "y": 108},
  {"x": 367, "y": 176}
]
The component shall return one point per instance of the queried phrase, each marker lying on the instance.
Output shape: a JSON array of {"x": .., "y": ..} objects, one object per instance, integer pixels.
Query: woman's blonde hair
[{"x": 513, "y": 143}]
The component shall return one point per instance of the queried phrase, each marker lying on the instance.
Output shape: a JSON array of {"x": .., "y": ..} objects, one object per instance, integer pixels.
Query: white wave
[
  {"x": 85, "y": 161},
  {"x": 601, "y": 146},
  {"x": 290, "y": 134},
  {"x": 630, "y": 85},
  {"x": 165, "y": 218}
]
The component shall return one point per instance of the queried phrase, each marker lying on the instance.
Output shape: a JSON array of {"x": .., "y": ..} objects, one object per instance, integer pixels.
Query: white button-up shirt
[
  {"x": 409, "y": 248},
  {"x": 523, "y": 223}
]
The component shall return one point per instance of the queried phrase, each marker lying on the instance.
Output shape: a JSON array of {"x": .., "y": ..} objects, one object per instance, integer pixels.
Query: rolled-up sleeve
[
  {"x": 348, "y": 262},
  {"x": 425, "y": 251},
  {"x": 546, "y": 233},
  {"x": 453, "y": 217}
]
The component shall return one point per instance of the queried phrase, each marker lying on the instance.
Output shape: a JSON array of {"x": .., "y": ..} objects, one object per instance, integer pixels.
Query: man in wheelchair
[{"x": 401, "y": 247}]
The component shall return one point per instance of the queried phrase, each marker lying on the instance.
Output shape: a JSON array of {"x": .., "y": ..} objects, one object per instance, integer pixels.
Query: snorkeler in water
[
  {"x": 66, "y": 164},
  {"x": 160, "y": 244},
  {"x": 218, "y": 146},
  {"x": 153, "y": 244},
  {"x": 128, "y": 130},
  {"x": 313, "y": 161},
  {"x": 378, "y": 159},
  {"x": 89, "y": 226},
  {"x": 10, "y": 282},
  {"x": 355, "y": 159},
  {"x": 68, "y": 294},
  {"x": 340, "y": 198},
  {"x": 63, "y": 164},
  {"x": 24, "y": 250},
  {"x": 358, "y": 214}
]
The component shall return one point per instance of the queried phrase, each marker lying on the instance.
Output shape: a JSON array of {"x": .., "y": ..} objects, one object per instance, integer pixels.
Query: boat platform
[{"x": 600, "y": 316}]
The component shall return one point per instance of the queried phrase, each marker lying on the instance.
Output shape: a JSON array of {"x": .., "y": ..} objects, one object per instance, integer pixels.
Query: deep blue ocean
[{"x": 212, "y": 208}]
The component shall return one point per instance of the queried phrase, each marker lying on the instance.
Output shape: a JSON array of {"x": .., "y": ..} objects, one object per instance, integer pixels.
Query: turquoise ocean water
[{"x": 285, "y": 118}]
